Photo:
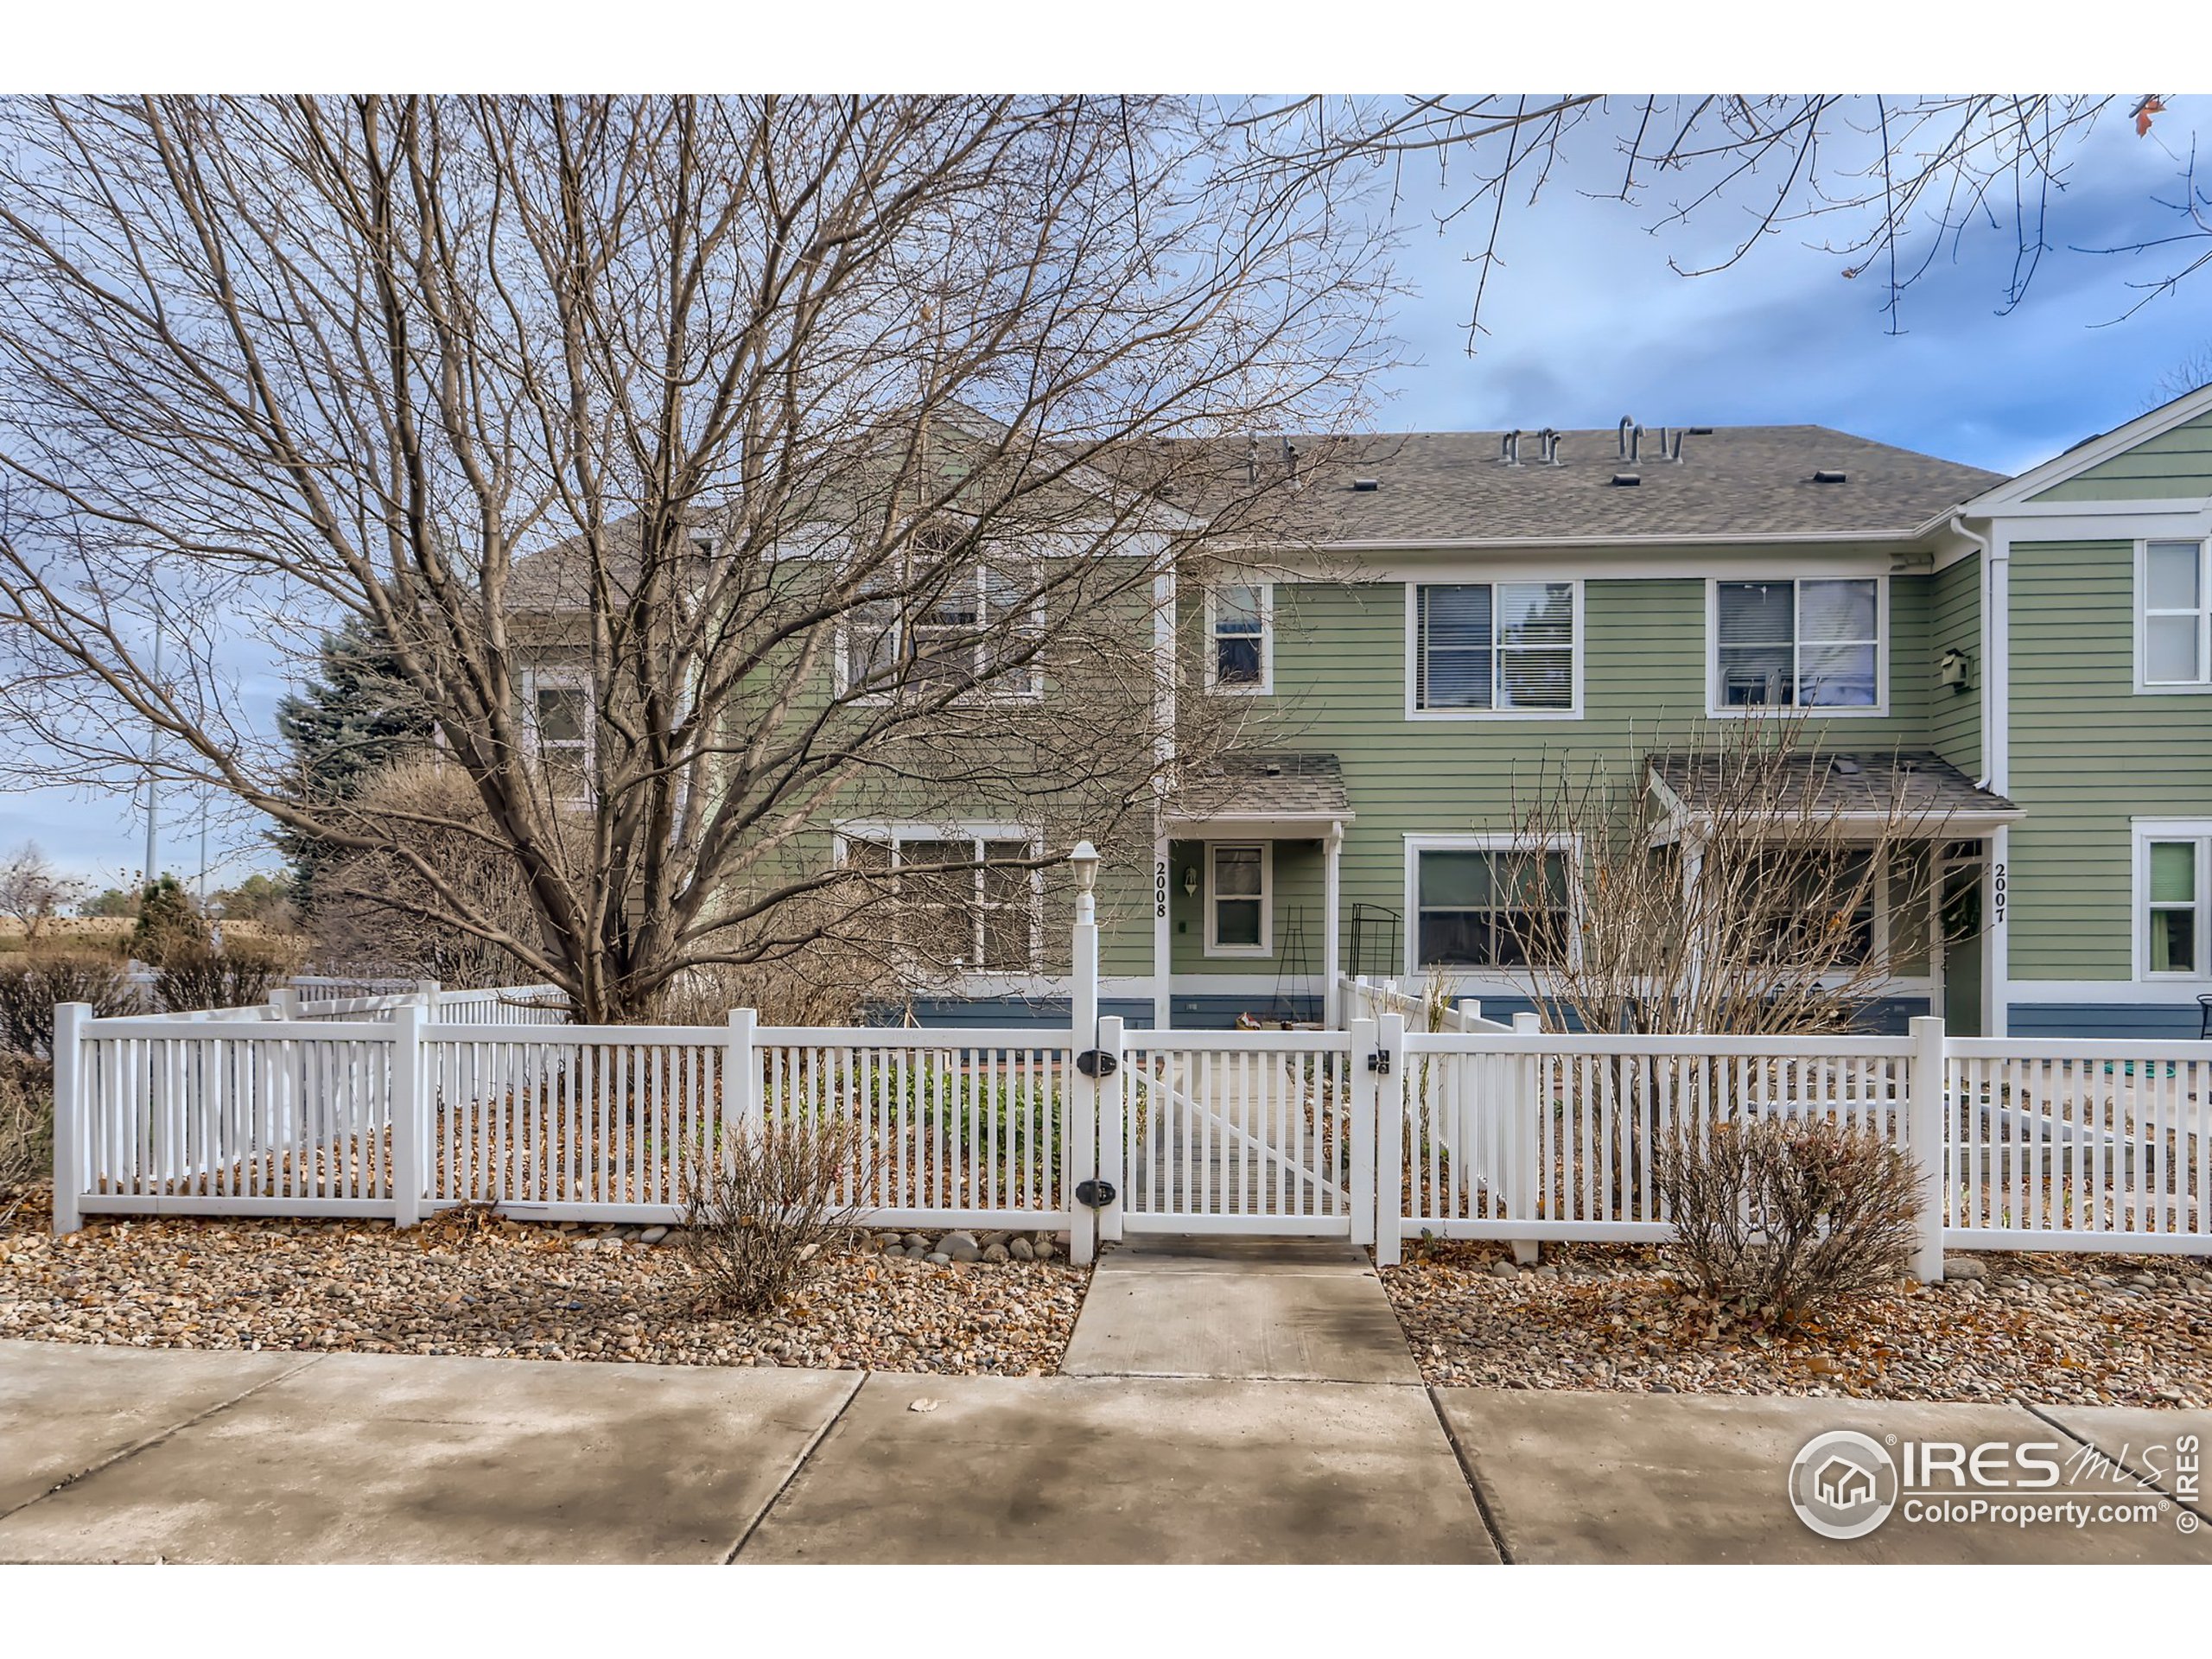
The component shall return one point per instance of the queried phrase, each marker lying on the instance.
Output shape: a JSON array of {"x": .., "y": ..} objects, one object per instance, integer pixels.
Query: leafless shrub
[
  {"x": 193, "y": 975},
  {"x": 29, "y": 989},
  {"x": 762, "y": 1201},
  {"x": 375, "y": 914},
  {"x": 1777, "y": 1216},
  {"x": 32, "y": 892},
  {"x": 26, "y": 1133}
]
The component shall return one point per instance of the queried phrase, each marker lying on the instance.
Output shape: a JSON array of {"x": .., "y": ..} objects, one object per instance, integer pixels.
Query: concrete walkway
[
  {"x": 1276, "y": 1310},
  {"x": 129, "y": 1454}
]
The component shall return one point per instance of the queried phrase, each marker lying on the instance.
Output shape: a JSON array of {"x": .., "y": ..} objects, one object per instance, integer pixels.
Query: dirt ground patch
[
  {"x": 2085, "y": 1329},
  {"x": 510, "y": 1290}
]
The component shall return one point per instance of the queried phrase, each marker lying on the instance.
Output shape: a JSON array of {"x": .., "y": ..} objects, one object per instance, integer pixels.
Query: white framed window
[
  {"x": 2173, "y": 899},
  {"x": 1485, "y": 903},
  {"x": 1240, "y": 899},
  {"x": 1241, "y": 639},
  {"x": 1808, "y": 642},
  {"x": 957, "y": 902},
  {"x": 557, "y": 705},
  {"x": 2173, "y": 616},
  {"x": 954, "y": 634},
  {"x": 1493, "y": 649}
]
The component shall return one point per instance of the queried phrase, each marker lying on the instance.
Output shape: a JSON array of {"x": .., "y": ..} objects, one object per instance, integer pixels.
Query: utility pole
[{"x": 153, "y": 752}]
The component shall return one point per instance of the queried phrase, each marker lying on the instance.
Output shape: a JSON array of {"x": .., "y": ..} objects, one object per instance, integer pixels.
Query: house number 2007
[
  {"x": 1159, "y": 887},
  {"x": 1996, "y": 893}
]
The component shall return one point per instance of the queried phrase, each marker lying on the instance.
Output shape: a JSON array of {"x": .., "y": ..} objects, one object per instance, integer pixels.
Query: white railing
[
  {"x": 1373, "y": 1133},
  {"x": 2065, "y": 1144},
  {"x": 405, "y": 1115},
  {"x": 1370, "y": 999}
]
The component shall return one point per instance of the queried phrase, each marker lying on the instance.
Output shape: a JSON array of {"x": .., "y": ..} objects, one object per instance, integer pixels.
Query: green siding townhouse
[{"x": 1462, "y": 615}]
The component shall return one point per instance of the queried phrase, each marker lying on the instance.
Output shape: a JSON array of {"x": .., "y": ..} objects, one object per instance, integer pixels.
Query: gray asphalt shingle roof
[
  {"x": 1265, "y": 784},
  {"x": 1923, "y": 788},
  {"x": 1734, "y": 481}
]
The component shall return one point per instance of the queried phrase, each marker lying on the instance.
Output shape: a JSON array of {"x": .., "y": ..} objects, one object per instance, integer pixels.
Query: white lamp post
[
  {"x": 1082, "y": 1017},
  {"x": 1083, "y": 860}
]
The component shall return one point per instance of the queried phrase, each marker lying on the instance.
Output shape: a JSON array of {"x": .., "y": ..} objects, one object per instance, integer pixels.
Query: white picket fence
[{"x": 395, "y": 1106}]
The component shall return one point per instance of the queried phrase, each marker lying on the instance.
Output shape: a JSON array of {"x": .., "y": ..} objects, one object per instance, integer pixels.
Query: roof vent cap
[
  {"x": 1626, "y": 479},
  {"x": 1366, "y": 484},
  {"x": 1844, "y": 766},
  {"x": 1831, "y": 475}
]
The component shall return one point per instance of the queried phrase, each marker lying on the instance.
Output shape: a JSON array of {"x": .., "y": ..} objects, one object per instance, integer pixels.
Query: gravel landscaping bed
[
  {"x": 466, "y": 1284},
  {"x": 2078, "y": 1330}
]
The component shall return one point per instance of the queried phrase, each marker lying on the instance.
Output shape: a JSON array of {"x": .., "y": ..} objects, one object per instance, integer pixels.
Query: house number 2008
[
  {"x": 1997, "y": 893},
  {"x": 1159, "y": 887}
]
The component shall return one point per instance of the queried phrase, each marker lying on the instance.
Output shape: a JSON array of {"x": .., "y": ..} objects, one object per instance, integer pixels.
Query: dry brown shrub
[
  {"x": 1775, "y": 1217},
  {"x": 30, "y": 987},
  {"x": 762, "y": 1201},
  {"x": 26, "y": 1133}
]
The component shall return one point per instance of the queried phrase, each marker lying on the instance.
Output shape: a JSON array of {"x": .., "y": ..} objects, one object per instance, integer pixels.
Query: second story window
[
  {"x": 1797, "y": 644},
  {"x": 1505, "y": 647},
  {"x": 975, "y": 632},
  {"x": 2176, "y": 589},
  {"x": 1240, "y": 638},
  {"x": 561, "y": 725}
]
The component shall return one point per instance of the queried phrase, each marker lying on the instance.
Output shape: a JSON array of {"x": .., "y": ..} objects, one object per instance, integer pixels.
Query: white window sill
[{"x": 1457, "y": 714}]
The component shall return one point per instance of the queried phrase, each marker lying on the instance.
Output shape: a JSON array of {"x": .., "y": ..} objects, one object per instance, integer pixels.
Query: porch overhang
[
  {"x": 1869, "y": 798},
  {"x": 1268, "y": 794}
]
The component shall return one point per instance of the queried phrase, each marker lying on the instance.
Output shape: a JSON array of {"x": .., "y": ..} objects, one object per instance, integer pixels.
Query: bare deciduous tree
[
  {"x": 714, "y": 467},
  {"x": 1720, "y": 888},
  {"x": 1884, "y": 185},
  {"x": 32, "y": 892}
]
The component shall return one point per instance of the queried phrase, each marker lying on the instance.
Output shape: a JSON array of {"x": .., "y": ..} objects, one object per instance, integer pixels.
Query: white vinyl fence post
[
  {"x": 410, "y": 1132},
  {"x": 1527, "y": 1120},
  {"x": 1389, "y": 1189},
  {"x": 286, "y": 999},
  {"x": 1925, "y": 1137},
  {"x": 69, "y": 1114},
  {"x": 1113, "y": 1127},
  {"x": 1360, "y": 1123},
  {"x": 428, "y": 991},
  {"x": 741, "y": 1070}
]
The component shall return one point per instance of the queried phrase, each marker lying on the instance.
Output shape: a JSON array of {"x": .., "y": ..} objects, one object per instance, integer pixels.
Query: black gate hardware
[
  {"x": 1097, "y": 1063},
  {"x": 1379, "y": 1061},
  {"x": 1095, "y": 1195}
]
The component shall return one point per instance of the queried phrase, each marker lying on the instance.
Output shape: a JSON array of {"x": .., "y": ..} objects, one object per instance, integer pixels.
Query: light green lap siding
[
  {"x": 1339, "y": 674},
  {"x": 2087, "y": 753},
  {"x": 2174, "y": 464},
  {"x": 1300, "y": 879},
  {"x": 1955, "y": 718}
]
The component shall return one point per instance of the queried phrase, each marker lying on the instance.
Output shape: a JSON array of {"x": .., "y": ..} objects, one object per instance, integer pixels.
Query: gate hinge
[
  {"x": 1097, "y": 1063},
  {"x": 1095, "y": 1195},
  {"x": 1379, "y": 1061}
]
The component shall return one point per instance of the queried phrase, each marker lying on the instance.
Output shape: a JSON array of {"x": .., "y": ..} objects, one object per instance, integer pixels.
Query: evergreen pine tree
[{"x": 356, "y": 718}]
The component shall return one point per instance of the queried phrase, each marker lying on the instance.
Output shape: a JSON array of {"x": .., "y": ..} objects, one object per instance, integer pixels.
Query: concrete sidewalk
[{"x": 129, "y": 1454}]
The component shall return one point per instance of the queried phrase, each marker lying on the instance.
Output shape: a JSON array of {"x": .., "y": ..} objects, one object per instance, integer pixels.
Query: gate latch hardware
[
  {"x": 1095, "y": 1195},
  {"x": 1097, "y": 1063},
  {"x": 1379, "y": 1061}
]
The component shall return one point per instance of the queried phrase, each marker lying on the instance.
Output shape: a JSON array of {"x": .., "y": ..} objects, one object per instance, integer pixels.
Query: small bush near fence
[
  {"x": 761, "y": 1202},
  {"x": 193, "y": 975},
  {"x": 1777, "y": 1216},
  {"x": 26, "y": 1131},
  {"x": 30, "y": 987}
]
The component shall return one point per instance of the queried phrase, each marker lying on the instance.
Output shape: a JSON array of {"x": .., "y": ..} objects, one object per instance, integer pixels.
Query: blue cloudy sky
[{"x": 1586, "y": 323}]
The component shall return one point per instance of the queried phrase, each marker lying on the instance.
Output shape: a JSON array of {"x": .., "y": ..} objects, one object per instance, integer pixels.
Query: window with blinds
[
  {"x": 1494, "y": 647},
  {"x": 1809, "y": 644}
]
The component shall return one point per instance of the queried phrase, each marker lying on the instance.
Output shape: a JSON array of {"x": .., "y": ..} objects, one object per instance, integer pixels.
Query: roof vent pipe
[
  {"x": 1628, "y": 425},
  {"x": 1548, "y": 447},
  {"x": 1252, "y": 458},
  {"x": 1509, "y": 448},
  {"x": 1290, "y": 461}
]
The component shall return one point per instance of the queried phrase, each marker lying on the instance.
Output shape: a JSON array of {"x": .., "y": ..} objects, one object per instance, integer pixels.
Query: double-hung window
[
  {"x": 2173, "y": 895},
  {"x": 973, "y": 634},
  {"x": 1806, "y": 643},
  {"x": 1240, "y": 882},
  {"x": 2176, "y": 585},
  {"x": 955, "y": 901},
  {"x": 1240, "y": 638},
  {"x": 1503, "y": 647},
  {"x": 560, "y": 712},
  {"x": 1485, "y": 908}
]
